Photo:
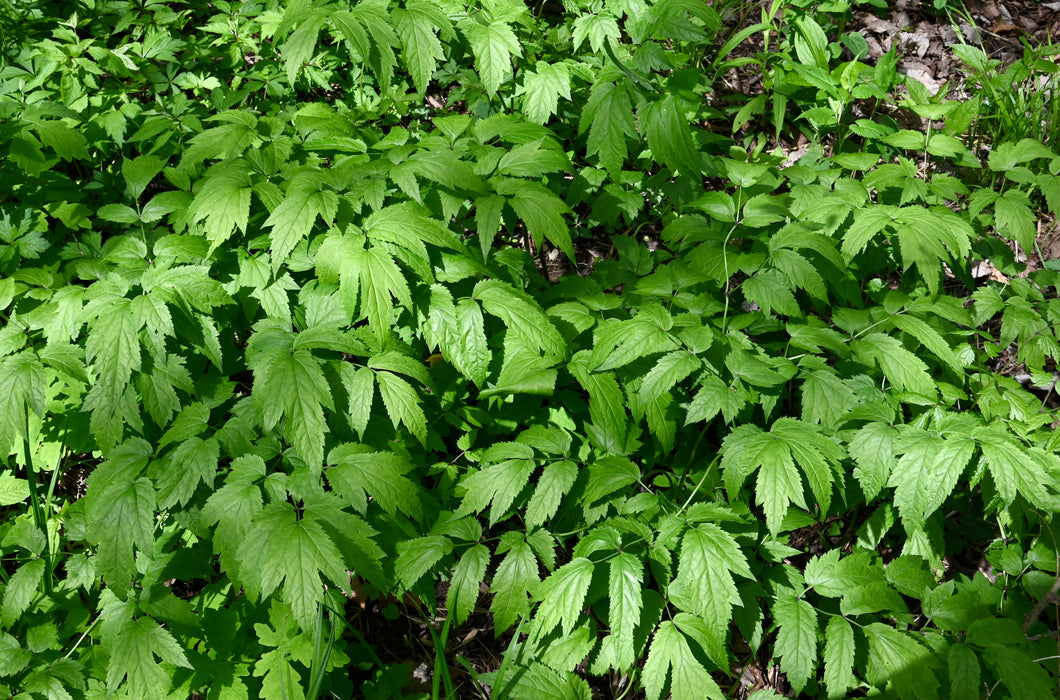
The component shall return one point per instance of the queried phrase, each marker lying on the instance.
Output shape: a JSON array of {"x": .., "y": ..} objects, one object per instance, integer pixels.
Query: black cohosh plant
[{"x": 274, "y": 336}]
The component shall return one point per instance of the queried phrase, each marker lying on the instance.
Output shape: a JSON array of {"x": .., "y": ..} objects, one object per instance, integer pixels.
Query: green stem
[{"x": 38, "y": 512}]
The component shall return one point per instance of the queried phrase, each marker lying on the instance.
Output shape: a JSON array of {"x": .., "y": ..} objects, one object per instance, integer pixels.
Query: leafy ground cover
[{"x": 338, "y": 337}]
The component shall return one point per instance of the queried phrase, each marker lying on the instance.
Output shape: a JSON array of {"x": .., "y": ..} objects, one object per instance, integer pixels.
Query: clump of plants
[{"x": 474, "y": 312}]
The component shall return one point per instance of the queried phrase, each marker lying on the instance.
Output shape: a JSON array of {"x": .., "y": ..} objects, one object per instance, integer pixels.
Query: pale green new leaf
[
  {"x": 562, "y": 595},
  {"x": 838, "y": 657},
  {"x": 13, "y": 490},
  {"x": 493, "y": 45},
  {"x": 796, "y": 643}
]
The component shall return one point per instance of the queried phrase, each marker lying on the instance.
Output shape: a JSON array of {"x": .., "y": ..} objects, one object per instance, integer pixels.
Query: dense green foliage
[{"x": 272, "y": 282}]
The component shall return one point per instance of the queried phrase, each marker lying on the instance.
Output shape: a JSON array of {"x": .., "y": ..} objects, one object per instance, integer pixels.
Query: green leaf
[
  {"x": 714, "y": 396},
  {"x": 493, "y": 45},
  {"x": 300, "y": 45},
  {"x": 926, "y": 475},
  {"x": 670, "y": 136},
  {"x": 796, "y": 643},
  {"x": 597, "y": 28},
  {"x": 416, "y": 557},
  {"x": 771, "y": 291},
  {"x": 12, "y": 490},
  {"x": 121, "y": 516},
  {"x": 294, "y": 551},
  {"x": 608, "y": 116},
  {"x": 898, "y": 660},
  {"x": 834, "y": 577},
  {"x": 903, "y": 368},
  {"x": 360, "y": 387},
  {"x": 542, "y": 88},
  {"x": 670, "y": 655},
  {"x": 562, "y": 595},
  {"x": 468, "y": 575},
  {"x": 1014, "y": 218},
  {"x": 223, "y": 201},
  {"x": 667, "y": 373},
  {"x": 514, "y": 579},
  {"x": 625, "y": 603},
  {"x": 838, "y": 657},
  {"x": 139, "y": 172},
  {"x": 556, "y": 480},
  {"x": 20, "y": 590},
  {"x": 358, "y": 474},
  {"x": 417, "y": 27},
  {"x": 22, "y": 384},
  {"x": 542, "y": 212},
  {"x": 402, "y": 404},
  {"x": 1015, "y": 468},
  {"x": 964, "y": 674},
  {"x": 290, "y": 384},
  {"x": 873, "y": 448},
  {"x": 181, "y": 471},
  {"x": 521, "y": 315},
  {"x": 704, "y": 584},
  {"x": 232, "y": 508},
  {"x": 113, "y": 354},
  {"x": 132, "y": 658},
  {"x": 293, "y": 219},
  {"x": 826, "y": 398},
  {"x": 930, "y": 338},
  {"x": 498, "y": 485}
]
